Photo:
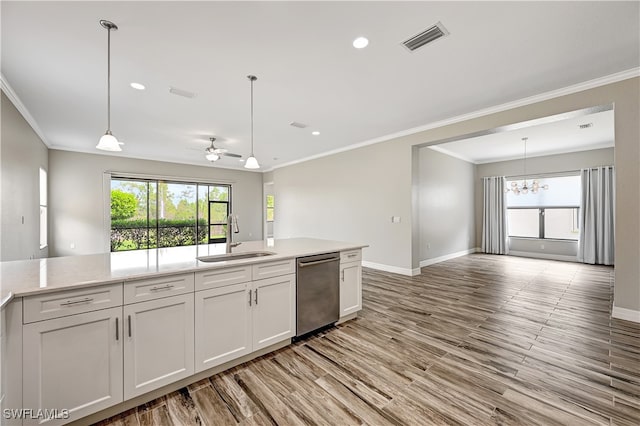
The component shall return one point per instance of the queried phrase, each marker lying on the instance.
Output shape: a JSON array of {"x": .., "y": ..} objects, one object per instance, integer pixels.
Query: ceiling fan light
[
  {"x": 251, "y": 163},
  {"x": 212, "y": 156},
  {"x": 108, "y": 142}
]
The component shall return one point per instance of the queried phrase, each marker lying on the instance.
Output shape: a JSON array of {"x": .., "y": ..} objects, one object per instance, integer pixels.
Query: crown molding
[
  {"x": 451, "y": 154},
  {"x": 15, "y": 100},
  {"x": 586, "y": 85}
]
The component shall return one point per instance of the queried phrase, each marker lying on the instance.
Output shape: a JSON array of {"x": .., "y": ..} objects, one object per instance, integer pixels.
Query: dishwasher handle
[{"x": 317, "y": 262}]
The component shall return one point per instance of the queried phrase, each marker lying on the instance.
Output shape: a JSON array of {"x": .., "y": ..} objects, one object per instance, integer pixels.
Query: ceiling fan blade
[
  {"x": 230, "y": 154},
  {"x": 220, "y": 150}
]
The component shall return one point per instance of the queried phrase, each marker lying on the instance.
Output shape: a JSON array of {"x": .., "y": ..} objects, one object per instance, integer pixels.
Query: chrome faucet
[{"x": 232, "y": 227}]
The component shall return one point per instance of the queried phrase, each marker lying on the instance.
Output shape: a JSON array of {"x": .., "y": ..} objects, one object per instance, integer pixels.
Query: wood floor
[{"x": 479, "y": 339}]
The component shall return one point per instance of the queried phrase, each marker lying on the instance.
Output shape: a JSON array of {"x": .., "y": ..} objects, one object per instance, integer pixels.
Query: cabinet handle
[
  {"x": 129, "y": 319},
  {"x": 75, "y": 302},
  {"x": 164, "y": 287},
  {"x": 249, "y": 297},
  {"x": 352, "y": 255},
  {"x": 117, "y": 331},
  {"x": 256, "y": 296},
  {"x": 342, "y": 279}
]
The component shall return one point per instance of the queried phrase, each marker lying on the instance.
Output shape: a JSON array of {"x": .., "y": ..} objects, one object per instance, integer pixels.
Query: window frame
[
  {"x": 541, "y": 222},
  {"x": 153, "y": 223},
  {"x": 224, "y": 224},
  {"x": 272, "y": 208},
  {"x": 43, "y": 202}
]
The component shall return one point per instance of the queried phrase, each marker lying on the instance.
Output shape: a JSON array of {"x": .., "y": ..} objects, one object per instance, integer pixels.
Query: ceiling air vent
[
  {"x": 585, "y": 126},
  {"x": 180, "y": 92},
  {"x": 427, "y": 36},
  {"x": 297, "y": 124}
]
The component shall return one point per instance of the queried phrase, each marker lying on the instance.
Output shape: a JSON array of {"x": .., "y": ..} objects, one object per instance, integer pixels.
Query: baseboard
[
  {"x": 450, "y": 256},
  {"x": 392, "y": 269},
  {"x": 625, "y": 314},
  {"x": 544, "y": 256},
  {"x": 347, "y": 318}
]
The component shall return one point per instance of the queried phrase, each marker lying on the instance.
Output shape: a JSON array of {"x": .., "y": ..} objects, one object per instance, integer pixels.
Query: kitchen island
[{"x": 103, "y": 333}]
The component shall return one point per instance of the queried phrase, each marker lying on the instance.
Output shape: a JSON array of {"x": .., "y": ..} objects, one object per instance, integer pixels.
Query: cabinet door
[
  {"x": 350, "y": 288},
  {"x": 223, "y": 325},
  {"x": 74, "y": 363},
  {"x": 158, "y": 347},
  {"x": 274, "y": 310},
  {"x": 3, "y": 356}
]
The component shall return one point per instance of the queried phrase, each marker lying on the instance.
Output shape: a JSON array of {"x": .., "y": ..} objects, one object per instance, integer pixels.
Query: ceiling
[
  {"x": 54, "y": 60},
  {"x": 554, "y": 137}
]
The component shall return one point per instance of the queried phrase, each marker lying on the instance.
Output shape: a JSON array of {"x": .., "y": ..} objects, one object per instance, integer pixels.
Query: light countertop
[{"x": 28, "y": 277}]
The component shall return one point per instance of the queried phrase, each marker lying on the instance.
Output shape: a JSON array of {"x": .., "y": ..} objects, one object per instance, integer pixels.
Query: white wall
[
  {"x": 390, "y": 165},
  {"x": 23, "y": 153},
  {"x": 350, "y": 197},
  {"x": 562, "y": 250},
  {"x": 77, "y": 203},
  {"x": 446, "y": 205}
]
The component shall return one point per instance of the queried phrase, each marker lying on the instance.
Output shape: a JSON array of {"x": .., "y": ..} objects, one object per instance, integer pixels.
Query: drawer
[
  {"x": 351, "y": 256},
  {"x": 70, "y": 302},
  {"x": 222, "y": 277},
  {"x": 158, "y": 287},
  {"x": 273, "y": 269}
]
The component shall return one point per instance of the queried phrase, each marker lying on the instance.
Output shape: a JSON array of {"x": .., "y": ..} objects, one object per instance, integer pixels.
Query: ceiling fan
[{"x": 213, "y": 154}]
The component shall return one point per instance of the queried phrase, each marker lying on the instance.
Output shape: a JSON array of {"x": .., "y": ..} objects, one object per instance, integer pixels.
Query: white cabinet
[
  {"x": 3, "y": 356},
  {"x": 235, "y": 320},
  {"x": 350, "y": 282},
  {"x": 159, "y": 343},
  {"x": 274, "y": 312},
  {"x": 223, "y": 325},
  {"x": 273, "y": 269},
  {"x": 62, "y": 303},
  {"x": 74, "y": 362},
  {"x": 157, "y": 287}
]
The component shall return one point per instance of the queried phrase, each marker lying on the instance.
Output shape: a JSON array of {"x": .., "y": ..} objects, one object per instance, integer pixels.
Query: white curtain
[
  {"x": 596, "y": 244},
  {"x": 494, "y": 216}
]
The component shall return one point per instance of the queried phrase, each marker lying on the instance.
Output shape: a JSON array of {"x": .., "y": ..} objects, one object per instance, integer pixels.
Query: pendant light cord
[
  {"x": 109, "y": 79},
  {"x": 251, "y": 78},
  {"x": 525, "y": 159}
]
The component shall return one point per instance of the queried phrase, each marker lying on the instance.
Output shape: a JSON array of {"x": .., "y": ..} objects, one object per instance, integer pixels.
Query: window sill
[{"x": 544, "y": 239}]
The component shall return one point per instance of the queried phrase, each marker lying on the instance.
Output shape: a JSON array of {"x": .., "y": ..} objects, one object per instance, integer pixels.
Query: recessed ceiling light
[
  {"x": 360, "y": 43},
  {"x": 315, "y": 133},
  {"x": 138, "y": 86}
]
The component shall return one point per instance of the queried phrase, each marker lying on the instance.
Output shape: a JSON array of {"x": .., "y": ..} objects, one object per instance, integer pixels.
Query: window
[
  {"x": 43, "y": 208},
  {"x": 155, "y": 213},
  {"x": 550, "y": 214},
  {"x": 270, "y": 207}
]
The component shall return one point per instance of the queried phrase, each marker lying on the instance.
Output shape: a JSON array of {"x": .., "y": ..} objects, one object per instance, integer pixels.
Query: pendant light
[
  {"x": 251, "y": 162},
  {"x": 518, "y": 189},
  {"x": 108, "y": 142}
]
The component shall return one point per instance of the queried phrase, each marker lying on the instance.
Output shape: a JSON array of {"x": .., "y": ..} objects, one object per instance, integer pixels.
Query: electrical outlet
[
  {"x": 395, "y": 219},
  {"x": 428, "y": 245},
  {"x": 542, "y": 246},
  {"x": 72, "y": 246}
]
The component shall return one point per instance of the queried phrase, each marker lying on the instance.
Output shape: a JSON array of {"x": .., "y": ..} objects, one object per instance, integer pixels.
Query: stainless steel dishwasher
[{"x": 317, "y": 292}]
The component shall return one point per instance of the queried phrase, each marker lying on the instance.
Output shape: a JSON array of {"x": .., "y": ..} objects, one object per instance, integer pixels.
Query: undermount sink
[{"x": 234, "y": 256}]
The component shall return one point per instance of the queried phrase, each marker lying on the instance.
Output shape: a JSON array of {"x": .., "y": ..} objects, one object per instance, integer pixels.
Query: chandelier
[{"x": 524, "y": 188}]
